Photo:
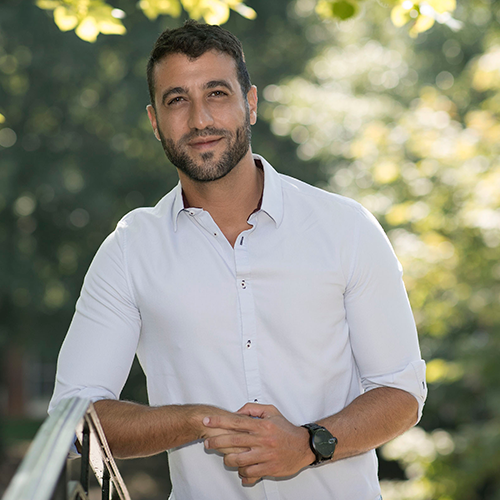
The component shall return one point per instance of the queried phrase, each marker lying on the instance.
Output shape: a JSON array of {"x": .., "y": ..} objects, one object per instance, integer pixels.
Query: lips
[{"x": 205, "y": 142}]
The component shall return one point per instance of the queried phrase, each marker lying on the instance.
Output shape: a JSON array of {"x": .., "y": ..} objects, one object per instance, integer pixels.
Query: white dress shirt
[{"x": 306, "y": 312}]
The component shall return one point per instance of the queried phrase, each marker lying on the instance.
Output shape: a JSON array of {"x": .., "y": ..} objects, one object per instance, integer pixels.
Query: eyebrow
[
  {"x": 209, "y": 85},
  {"x": 219, "y": 83}
]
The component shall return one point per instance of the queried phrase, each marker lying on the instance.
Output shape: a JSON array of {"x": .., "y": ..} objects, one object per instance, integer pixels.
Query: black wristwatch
[{"x": 322, "y": 443}]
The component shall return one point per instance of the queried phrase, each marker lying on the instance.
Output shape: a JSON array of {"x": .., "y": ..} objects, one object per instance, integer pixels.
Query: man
[{"x": 256, "y": 304}]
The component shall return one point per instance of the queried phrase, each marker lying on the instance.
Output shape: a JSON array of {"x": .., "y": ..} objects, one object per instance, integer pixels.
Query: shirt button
[
  {"x": 191, "y": 213},
  {"x": 243, "y": 284},
  {"x": 249, "y": 344},
  {"x": 215, "y": 234}
]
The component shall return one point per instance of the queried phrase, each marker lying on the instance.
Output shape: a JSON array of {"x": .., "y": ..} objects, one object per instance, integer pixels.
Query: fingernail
[
  {"x": 205, "y": 443},
  {"x": 206, "y": 421}
]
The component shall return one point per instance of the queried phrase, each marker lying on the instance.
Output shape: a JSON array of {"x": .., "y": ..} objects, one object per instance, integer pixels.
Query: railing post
[
  {"x": 105, "y": 484},
  {"x": 84, "y": 475},
  {"x": 42, "y": 474}
]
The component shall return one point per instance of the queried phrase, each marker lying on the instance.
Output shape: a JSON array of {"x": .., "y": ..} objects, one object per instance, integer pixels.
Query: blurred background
[{"x": 396, "y": 105}]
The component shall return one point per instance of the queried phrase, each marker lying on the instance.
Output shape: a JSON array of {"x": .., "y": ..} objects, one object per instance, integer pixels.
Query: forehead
[{"x": 179, "y": 70}]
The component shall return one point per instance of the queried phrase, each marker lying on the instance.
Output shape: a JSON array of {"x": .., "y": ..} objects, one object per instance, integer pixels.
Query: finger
[
  {"x": 258, "y": 410},
  {"x": 240, "y": 423},
  {"x": 253, "y": 471},
  {"x": 241, "y": 460},
  {"x": 240, "y": 440},
  {"x": 232, "y": 451},
  {"x": 250, "y": 481},
  {"x": 213, "y": 432}
]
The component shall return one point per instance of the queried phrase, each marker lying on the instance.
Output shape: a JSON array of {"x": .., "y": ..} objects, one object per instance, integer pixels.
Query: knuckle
[
  {"x": 214, "y": 421},
  {"x": 267, "y": 425},
  {"x": 270, "y": 442}
]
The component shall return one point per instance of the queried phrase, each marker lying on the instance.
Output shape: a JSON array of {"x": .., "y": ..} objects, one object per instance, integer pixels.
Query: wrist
[
  {"x": 308, "y": 457},
  {"x": 194, "y": 417}
]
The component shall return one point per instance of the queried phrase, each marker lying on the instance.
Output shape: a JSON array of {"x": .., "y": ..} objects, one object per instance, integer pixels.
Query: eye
[
  {"x": 176, "y": 100},
  {"x": 218, "y": 93}
]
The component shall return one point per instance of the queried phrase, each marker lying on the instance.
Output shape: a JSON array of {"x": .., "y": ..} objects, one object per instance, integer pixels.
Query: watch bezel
[{"x": 321, "y": 453}]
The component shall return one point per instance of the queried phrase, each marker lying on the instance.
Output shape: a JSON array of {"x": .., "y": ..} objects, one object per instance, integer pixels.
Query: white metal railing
[{"x": 42, "y": 474}]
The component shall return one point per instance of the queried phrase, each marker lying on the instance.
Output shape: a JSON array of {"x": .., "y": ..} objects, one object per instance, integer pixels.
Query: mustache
[{"x": 209, "y": 131}]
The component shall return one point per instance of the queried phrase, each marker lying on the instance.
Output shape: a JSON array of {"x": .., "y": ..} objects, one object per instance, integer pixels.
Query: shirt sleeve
[
  {"x": 381, "y": 326},
  {"x": 99, "y": 348}
]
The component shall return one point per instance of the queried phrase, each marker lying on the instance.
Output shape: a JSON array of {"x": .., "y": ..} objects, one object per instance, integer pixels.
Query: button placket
[{"x": 248, "y": 318}]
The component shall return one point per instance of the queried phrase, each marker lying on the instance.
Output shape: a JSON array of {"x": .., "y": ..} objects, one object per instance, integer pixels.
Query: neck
[{"x": 229, "y": 200}]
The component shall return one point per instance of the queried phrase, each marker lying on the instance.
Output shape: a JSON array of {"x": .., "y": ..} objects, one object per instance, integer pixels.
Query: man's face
[{"x": 202, "y": 118}]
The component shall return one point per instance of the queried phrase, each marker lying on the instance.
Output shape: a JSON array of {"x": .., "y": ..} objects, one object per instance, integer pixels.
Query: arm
[
  {"x": 278, "y": 448},
  {"x": 134, "y": 430},
  {"x": 371, "y": 420}
]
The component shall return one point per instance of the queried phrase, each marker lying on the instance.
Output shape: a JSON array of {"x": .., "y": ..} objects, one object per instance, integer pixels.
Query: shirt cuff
[
  {"x": 411, "y": 379},
  {"x": 92, "y": 393}
]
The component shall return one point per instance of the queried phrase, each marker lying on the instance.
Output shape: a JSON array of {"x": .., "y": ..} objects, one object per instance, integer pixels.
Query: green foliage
[
  {"x": 412, "y": 131},
  {"x": 77, "y": 152},
  {"x": 339, "y": 9},
  {"x": 91, "y": 17},
  {"x": 408, "y": 126}
]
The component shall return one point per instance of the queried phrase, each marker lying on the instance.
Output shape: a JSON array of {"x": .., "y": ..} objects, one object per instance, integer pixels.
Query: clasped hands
[{"x": 258, "y": 441}]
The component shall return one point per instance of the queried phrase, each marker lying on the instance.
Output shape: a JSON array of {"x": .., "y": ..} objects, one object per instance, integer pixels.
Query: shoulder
[
  {"x": 307, "y": 197},
  {"x": 144, "y": 220}
]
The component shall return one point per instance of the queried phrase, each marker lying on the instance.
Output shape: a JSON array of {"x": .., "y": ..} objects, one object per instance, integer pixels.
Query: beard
[{"x": 209, "y": 169}]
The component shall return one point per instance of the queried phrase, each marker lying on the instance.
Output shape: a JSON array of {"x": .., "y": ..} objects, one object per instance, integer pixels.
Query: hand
[
  {"x": 276, "y": 447},
  {"x": 205, "y": 432}
]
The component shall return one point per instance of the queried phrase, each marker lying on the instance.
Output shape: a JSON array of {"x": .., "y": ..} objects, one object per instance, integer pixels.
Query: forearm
[
  {"x": 372, "y": 419},
  {"x": 135, "y": 430}
]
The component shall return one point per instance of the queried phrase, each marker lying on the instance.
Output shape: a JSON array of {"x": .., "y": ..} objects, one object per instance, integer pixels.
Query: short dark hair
[{"x": 194, "y": 39}]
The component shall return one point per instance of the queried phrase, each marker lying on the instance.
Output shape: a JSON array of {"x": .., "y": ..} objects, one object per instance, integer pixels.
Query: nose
[{"x": 200, "y": 116}]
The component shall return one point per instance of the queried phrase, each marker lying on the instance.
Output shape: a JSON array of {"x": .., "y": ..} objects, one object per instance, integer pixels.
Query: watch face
[{"x": 324, "y": 443}]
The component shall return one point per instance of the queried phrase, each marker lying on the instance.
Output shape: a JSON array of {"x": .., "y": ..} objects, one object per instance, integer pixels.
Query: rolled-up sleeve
[
  {"x": 381, "y": 326},
  {"x": 98, "y": 351}
]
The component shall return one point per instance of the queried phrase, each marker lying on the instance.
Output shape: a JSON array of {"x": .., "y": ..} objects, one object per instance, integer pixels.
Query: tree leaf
[
  {"x": 153, "y": 8},
  {"x": 422, "y": 23},
  {"x": 242, "y": 9},
  {"x": 65, "y": 19},
  {"x": 400, "y": 16},
  {"x": 337, "y": 9},
  {"x": 88, "y": 29},
  {"x": 48, "y": 4},
  {"x": 343, "y": 10},
  {"x": 442, "y": 6}
]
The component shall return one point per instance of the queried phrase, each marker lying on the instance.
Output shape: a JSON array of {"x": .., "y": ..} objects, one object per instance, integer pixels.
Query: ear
[
  {"x": 152, "y": 119},
  {"x": 252, "y": 99}
]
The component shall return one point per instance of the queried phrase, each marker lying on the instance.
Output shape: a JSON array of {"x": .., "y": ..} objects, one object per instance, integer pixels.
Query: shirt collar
[
  {"x": 178, "y": 205},
  {"x": 272, "y": 197}
]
